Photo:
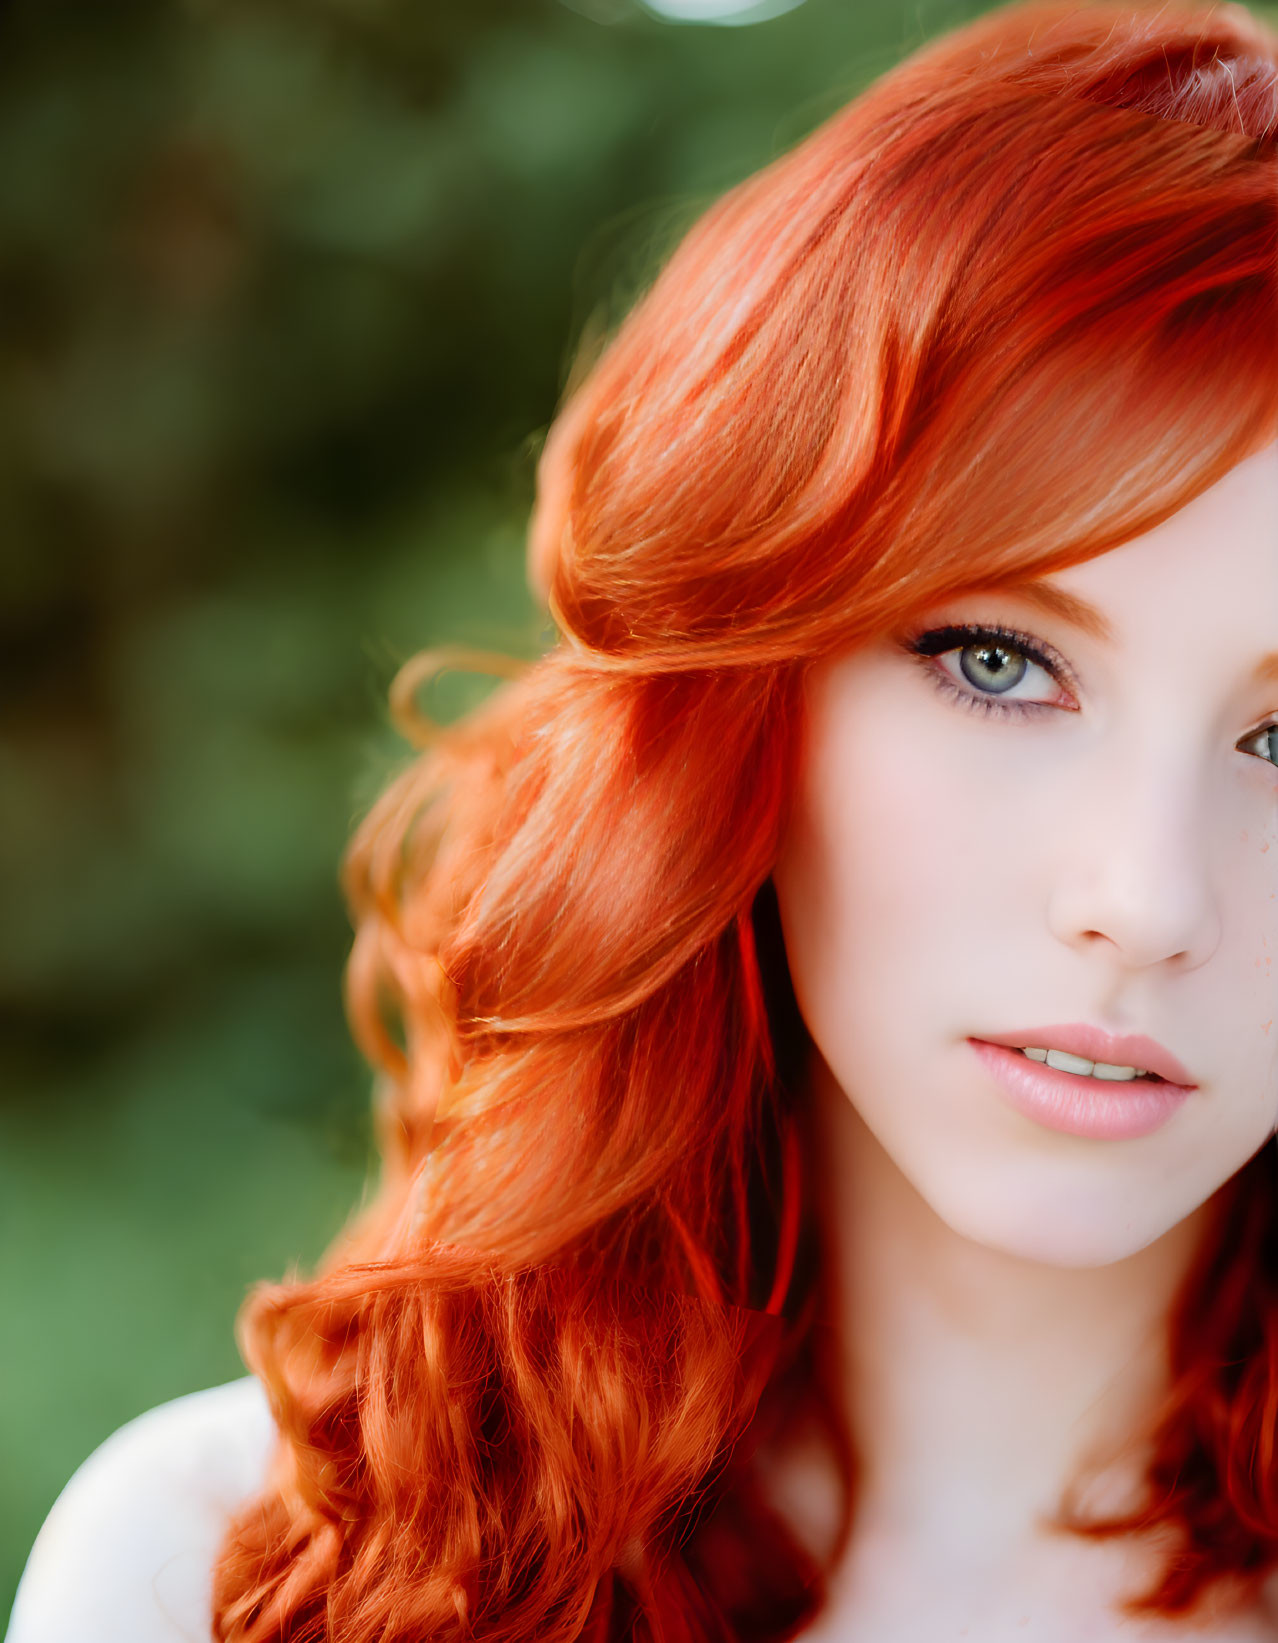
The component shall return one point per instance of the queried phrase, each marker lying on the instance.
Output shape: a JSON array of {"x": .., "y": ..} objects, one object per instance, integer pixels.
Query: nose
[{"x": 1136, "y": 866}]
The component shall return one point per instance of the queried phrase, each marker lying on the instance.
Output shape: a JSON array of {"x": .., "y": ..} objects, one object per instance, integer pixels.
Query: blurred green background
[{"x": 288, "y": 295}]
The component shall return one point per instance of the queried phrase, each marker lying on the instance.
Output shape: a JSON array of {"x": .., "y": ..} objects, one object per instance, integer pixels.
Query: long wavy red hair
[{"x": 1012, "y": 307}]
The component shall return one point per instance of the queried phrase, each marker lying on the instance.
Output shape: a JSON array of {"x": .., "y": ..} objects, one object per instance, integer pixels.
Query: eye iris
[{"x": 1000, "y": 680}]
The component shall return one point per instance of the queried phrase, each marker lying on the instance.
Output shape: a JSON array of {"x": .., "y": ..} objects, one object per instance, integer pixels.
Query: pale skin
[{"x": 1111, "y": 859}]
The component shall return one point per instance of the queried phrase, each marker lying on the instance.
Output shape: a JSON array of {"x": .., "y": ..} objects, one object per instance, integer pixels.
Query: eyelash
[{"x": 933, "y": 642}]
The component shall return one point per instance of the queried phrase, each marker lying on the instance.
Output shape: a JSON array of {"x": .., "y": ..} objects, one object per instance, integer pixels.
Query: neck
[{"x": 968, "y": 1363}]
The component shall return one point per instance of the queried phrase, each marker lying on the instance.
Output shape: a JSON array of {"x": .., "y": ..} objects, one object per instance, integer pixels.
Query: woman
[{"x": 825, "y": 1007}]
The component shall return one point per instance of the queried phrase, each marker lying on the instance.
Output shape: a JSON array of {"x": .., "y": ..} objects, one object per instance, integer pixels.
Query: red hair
[{"x": 1015, "y": 305}]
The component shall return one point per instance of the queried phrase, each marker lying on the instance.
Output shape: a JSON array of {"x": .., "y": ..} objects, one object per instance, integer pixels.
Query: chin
[
  {"x": 1084, "y": 1250},
  {"x": 1055, "y": 1231}
]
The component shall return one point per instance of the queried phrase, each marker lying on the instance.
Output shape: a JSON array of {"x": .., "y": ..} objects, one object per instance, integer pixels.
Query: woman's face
[{"x": 1103, "y": 853}]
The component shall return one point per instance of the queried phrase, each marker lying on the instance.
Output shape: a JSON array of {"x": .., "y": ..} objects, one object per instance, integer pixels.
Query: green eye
[
  {"x": 970, "y": 636},
  {"x": 1267, "y": 735}
]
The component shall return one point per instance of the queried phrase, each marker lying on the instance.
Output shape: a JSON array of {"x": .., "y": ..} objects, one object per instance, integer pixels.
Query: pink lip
[
  {"x": 1077, "y": 1105},
  {"x": 1077, "y": 1038}
]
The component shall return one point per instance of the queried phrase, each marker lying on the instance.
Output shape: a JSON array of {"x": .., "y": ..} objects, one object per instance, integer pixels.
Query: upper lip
[{"x": 1094, "y": 1044}]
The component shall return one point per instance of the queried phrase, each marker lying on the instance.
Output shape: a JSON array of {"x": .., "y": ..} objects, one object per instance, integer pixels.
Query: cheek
[{"x": 867, "y": 882}]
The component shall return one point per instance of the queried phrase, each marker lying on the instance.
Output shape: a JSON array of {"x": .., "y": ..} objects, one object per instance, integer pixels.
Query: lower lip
[{"x": 1102, "y": 1108}]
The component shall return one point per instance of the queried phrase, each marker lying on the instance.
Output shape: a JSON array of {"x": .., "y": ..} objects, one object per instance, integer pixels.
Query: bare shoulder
[{"x": 125, "y": 1555}]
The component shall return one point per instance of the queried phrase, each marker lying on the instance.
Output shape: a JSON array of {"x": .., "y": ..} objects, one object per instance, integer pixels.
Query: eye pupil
[{"x": 1002, "y": 671}]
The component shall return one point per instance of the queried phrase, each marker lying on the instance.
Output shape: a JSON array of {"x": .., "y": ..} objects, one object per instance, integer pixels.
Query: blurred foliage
[{"x": 288, "y": 292}]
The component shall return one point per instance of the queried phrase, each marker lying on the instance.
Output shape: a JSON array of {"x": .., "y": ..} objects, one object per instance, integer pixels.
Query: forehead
[
  {"x": 1210, "y": 569},
  {"x": 1217, "y": 554}
]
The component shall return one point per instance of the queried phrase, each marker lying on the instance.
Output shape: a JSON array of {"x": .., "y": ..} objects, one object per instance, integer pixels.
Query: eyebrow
[
  {"x": 1078, "y": 613},
  {"x": 1081, "y": 614}
]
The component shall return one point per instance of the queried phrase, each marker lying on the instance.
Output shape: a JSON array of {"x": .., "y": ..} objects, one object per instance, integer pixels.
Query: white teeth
[{"x": 1063, "y": 1062}]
